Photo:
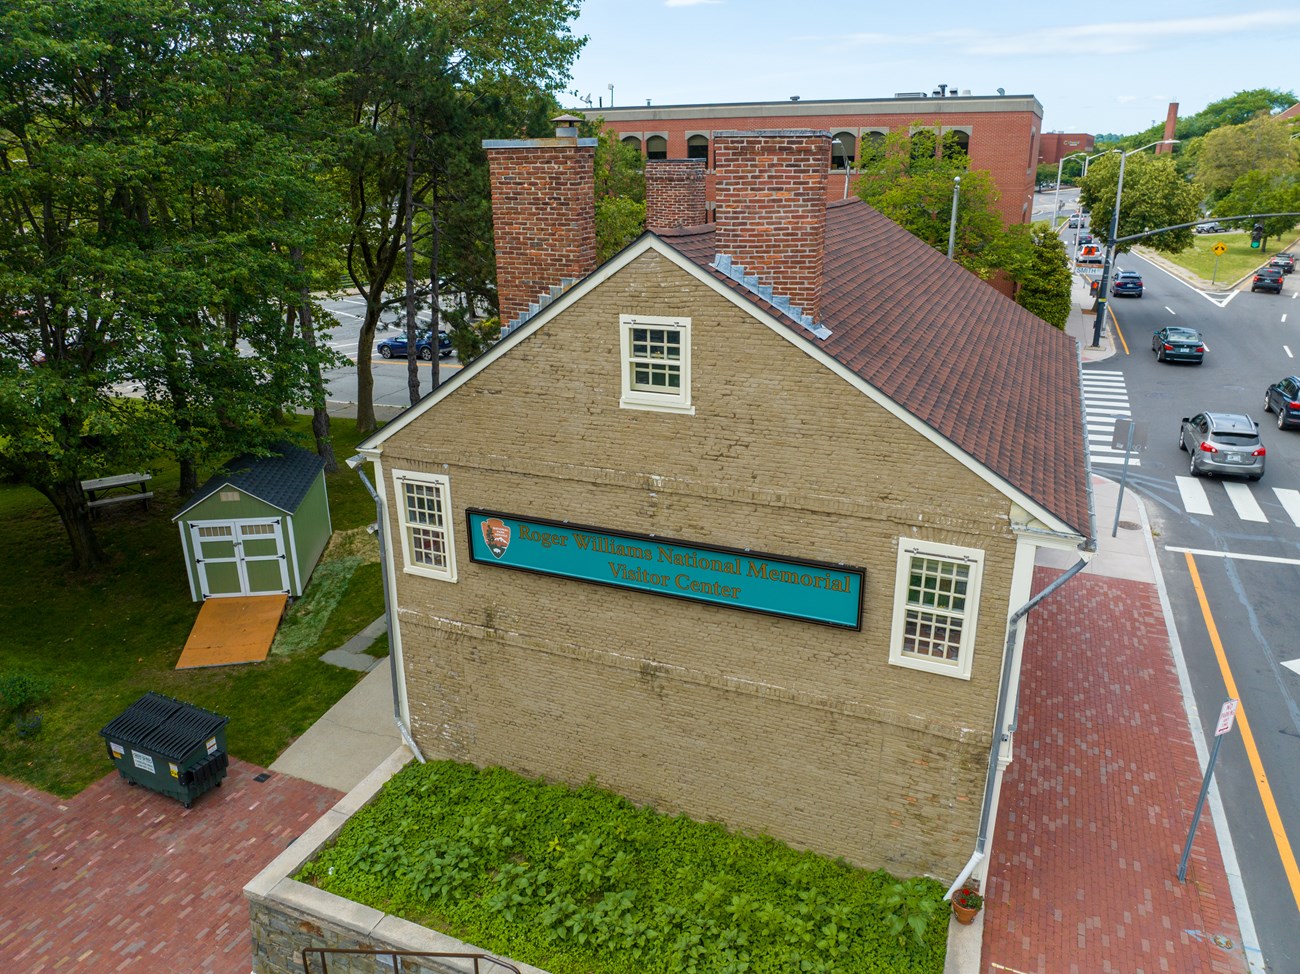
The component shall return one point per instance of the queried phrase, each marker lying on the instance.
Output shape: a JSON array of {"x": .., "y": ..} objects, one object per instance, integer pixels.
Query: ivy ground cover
[{"x": 583, "y": 881}]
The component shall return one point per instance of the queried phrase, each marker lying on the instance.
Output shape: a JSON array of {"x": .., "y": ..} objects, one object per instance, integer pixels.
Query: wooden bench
[
  {"x": 130, "y": 487},
  {"x": 120, "y": 499}
]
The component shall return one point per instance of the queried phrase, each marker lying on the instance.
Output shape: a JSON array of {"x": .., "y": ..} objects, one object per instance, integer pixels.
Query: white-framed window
[
  {"x": 936, "y": 602},
  {"x": 656, "y": 356},
  {"x": 424, "y": 512}
]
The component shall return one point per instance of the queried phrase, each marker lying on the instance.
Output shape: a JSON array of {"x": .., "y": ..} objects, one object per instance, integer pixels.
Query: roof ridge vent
[{"x": 723, "y": 264}]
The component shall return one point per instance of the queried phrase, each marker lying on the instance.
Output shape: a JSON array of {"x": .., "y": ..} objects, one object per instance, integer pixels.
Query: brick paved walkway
[
  {"x": 1096, "y": 806},
  {"x": 124, "y": 879}
]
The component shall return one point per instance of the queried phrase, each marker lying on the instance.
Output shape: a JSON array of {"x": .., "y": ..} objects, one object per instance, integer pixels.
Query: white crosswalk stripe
[
  {"x": 1105, "y": 399},
  {"x": 1244, "y": 502},
  {"x": 1193, "y": 493},
  {"x": 1203, "y": 496},
  {"x": 1290, "y": 501}
]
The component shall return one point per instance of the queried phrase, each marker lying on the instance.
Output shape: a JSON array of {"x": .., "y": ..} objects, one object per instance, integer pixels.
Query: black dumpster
[{"x": 172, "y": 747}]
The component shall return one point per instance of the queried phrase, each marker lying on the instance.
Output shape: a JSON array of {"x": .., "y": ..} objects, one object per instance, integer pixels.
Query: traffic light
[{"x": 1256, "y": 235}]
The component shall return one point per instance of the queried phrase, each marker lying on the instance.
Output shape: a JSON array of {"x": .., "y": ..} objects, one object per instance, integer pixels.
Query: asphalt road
[
  {"x": 390, "y": 375},
  {"x": 1230, "y": 555}
]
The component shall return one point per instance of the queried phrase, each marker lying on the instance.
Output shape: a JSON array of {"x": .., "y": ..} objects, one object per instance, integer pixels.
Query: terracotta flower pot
[{"x": 964, "y": 914}]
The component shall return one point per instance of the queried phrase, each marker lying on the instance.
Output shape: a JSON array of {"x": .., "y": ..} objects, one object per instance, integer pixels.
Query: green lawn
[
  {"x": 101, "y": 640},
  {"x": 1238, "y": 261}
]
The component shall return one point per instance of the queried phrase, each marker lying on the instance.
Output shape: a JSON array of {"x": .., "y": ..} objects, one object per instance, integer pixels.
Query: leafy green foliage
[
  {"x": 1265, "y": 191},
  {"x": 1233, "y": 151},
  {"x": 910, "y": 181},
  {"x": 581, "y": 880},
  {"x": 909, "y": 908},
  {"x": 619, "y": 221},
  {"x": 1154, "y": 196},
  {"x": 19, "y": 690},
  {"x": 1037, "y": 261}
]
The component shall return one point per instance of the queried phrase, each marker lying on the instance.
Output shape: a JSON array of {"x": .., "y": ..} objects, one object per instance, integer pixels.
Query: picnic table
[{"x": 118, "y": 489}]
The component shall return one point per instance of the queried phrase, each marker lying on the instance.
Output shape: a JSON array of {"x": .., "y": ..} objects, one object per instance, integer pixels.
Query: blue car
[{"x": 397, "y": 346}]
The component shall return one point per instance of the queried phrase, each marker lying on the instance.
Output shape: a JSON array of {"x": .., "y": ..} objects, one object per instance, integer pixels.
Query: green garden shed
[{"x": 258, "y": 526}]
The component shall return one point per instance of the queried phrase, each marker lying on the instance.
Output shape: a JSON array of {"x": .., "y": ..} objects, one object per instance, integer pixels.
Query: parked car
[
  {"x": 1283, "y": 262},
  {"x": 1283, "y": 398},
  {"x": 1268, "y": 279},
  {"x": 1211, "y": 228},
  {"x": 397, "y": 346},
  {"x": 1127, "y": 283},
  {"x": 1174, "y": 343},
  {"x": 1222, "y": 443}
]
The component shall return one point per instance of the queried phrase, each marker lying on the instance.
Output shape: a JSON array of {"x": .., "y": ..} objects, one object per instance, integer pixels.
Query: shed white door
[{"x": 240, "y": 557}]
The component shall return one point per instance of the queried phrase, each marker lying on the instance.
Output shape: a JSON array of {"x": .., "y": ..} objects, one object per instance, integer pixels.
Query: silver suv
[{"x": 1222, "y": 443}]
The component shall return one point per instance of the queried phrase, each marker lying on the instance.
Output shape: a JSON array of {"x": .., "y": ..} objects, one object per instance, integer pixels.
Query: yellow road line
[
  {"x": 1115, "y": 321},
  {"x": 1248, "y": 739}
]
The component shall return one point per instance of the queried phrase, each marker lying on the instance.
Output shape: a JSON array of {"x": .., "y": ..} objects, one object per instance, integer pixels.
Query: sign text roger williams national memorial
[{"x": 812, "y": 591}]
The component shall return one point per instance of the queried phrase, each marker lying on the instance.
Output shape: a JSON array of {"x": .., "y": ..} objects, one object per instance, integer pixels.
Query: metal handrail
[{"x": 395, "y": 957}]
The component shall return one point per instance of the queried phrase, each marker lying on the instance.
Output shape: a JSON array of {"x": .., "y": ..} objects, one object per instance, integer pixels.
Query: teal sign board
[{"x": 811, "y": 591}]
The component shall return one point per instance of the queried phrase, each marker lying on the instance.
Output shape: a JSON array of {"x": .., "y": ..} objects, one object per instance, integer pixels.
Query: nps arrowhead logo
[{"x": 496, "y": 535}]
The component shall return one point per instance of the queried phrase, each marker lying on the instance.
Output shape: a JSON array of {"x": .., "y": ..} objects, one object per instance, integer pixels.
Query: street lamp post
[
  {"x": 952, "y": 224},
  {"x": 1056, "y": 200},
  {"x": 1110, "y": 241}
]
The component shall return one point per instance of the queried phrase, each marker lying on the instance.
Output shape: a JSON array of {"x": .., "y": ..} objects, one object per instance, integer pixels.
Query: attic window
[
  {"x": 656, "y": 363},
  {"x": 229, "y": 495}
]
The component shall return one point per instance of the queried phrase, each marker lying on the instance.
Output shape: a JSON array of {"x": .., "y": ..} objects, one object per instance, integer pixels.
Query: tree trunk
[
  {"x": 412, "y": 326},
  {"x": 320, "y": 417},
  {"x": 179, "y": 397},
  {"x": 380, "y": 271},
  {"x": 70, "y": 502},
  {"x": 435, "y": 295}
]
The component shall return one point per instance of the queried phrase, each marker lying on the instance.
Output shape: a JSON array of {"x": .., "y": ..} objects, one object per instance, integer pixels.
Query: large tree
[
  {"x": 426, "y": 82},
  {"x": 1154, "y": 196},
  {"x": 148, "y": 212},
  {"x": 911, "y": 178},
  {"x": 1262, "y": 144}
]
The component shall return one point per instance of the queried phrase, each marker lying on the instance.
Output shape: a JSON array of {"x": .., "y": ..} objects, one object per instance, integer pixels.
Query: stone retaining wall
[{"x": 287, "y": 916}]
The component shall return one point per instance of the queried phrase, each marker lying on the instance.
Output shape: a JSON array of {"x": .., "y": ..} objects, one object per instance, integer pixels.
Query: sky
[{"x": 1093, "y": 70}]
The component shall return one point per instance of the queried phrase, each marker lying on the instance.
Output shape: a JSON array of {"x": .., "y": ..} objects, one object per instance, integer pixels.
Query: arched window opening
[{"x": 843, "y": 148}]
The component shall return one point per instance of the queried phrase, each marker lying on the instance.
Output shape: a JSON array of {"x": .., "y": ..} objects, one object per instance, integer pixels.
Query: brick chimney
[
  {"x": 770, "y": 208},
  {"x": 543, "y": 213},
  {"x": 1171, "y": 125},
  {"x": 674, "y": 193}
]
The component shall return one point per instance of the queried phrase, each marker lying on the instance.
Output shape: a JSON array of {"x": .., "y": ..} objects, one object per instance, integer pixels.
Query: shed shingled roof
[
  {"x": 281, "y": 479},
  {"x": 995, "y": 380}
]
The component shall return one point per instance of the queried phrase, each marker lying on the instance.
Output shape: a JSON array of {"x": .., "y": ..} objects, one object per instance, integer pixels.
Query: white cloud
[{"x": 1120, "y": 38}]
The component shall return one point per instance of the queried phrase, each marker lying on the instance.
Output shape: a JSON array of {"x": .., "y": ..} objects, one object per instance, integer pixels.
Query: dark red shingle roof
[{"x": 994, "y": 379}]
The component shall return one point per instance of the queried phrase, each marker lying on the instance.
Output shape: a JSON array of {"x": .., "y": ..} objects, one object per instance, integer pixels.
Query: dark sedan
[
  {"x": 1283, "y": 398},
  {"x": 396, "y": 347},
  {"x": 1127, "y": 284},
  {"x": 1174, "y": 343},
  {"x": 1268, "y": 279}
]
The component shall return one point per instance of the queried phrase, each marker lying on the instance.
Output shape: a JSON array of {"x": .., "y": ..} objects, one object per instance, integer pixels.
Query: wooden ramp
[{"x": 233, "y": 630}]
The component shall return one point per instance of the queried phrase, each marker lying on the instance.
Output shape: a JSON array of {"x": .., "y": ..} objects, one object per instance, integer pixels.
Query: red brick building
[
  {"x": 1055, "y": 146},
  {"x": 1000, "y": 132}
]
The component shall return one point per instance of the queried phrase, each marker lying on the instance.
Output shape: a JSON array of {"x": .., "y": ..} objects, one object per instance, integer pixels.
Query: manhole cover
[
  {"x": 1130, "y": 525},
  {"x": 1221, "y": 941}
]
